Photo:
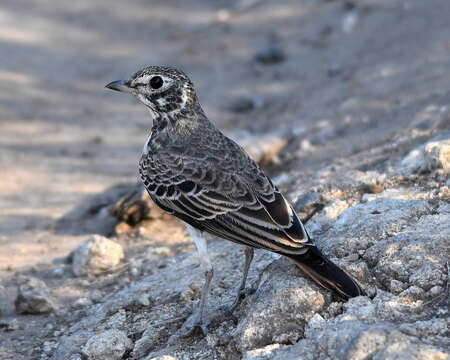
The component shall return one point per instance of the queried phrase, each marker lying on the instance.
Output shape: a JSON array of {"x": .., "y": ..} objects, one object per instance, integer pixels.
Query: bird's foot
[
  {"x": 192, "y": 324},
  {"x": 239, "y": 297},
  {"x": 196, "y": 321},
  {"x": 226, "y": 312}
]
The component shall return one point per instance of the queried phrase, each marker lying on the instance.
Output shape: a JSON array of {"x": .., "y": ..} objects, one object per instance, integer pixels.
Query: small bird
[{"x": 196, "y": 173}]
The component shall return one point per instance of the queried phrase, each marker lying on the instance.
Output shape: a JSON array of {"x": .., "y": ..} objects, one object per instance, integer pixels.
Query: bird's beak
[{"x": 120, "y": 85}]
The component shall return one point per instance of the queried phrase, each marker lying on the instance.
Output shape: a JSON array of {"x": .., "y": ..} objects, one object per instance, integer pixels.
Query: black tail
[{"x": 327, "y": 274}]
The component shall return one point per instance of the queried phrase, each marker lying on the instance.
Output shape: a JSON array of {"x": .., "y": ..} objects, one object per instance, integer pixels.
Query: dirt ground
[{"x": 354, "y": 74}]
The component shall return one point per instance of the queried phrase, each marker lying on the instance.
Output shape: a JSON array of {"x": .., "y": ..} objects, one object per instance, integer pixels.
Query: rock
[
  {"x": 397, "y": 244},
  {"x": 432, "y": 155},
  {"x": 265, "y": 353},
  {"x": 133, "y": 207},
  {"x": 93, "y": 215},
  {"x": 417, "y": 256},
  {"x": 353, "y": 340},
  {"x": 69, "y": 345},
  {"x": 361, "y": 226},
  {"x": 47, "y": 346},
  {"x": 162, "y": 357},
  {"x": 10, "y": 325},
  {"x": 81, "y": 303},
  {"x": 324, "y": 220},
  {"x": 264, "y": 148},
  {"x": 371, "y": 182},
  {"x": 96, "y": 255},
  {"x": 349, "y": 21},
  {"x": 245, "y": 104},
  {"x": 308, "y": 204},
  {"x": 159, "y": 251},
  {"x": 271, "y": 54},
  {"x": 107, "y": 345},
  {"x": 34, "y": 298},
  {"x": 281, "y": 307},
  {"x": 146, "y": 343}
]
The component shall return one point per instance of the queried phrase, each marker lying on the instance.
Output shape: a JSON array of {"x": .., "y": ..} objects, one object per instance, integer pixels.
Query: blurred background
[{"x": 320, "y": 81}]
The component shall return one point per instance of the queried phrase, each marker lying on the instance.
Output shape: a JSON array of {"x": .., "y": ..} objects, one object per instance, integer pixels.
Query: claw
[{"x": 193, "y": 323}]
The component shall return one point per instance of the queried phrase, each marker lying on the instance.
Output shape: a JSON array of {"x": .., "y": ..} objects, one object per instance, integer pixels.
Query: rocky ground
[{"x": 345, "y": 103}]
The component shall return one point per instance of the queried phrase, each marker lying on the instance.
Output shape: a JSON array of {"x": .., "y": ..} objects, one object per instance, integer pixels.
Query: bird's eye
[{"x": 156, "y": 82}]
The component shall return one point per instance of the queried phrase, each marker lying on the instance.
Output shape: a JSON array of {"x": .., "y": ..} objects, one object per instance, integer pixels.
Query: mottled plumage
[{"x": 196, "y": 173}]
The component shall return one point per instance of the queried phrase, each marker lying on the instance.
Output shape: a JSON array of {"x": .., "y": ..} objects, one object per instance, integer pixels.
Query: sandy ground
[{"x": 366, "y": 69}]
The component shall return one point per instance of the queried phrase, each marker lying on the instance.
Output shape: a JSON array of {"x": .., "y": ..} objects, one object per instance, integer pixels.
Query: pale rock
[
  {"x": 96, "y": 255},
  {"x": 107, "y": 345},
  {"x": 34, "y": 298},
  {"x": 282, "y": 306},
  {"x": 432, "y": 155}
]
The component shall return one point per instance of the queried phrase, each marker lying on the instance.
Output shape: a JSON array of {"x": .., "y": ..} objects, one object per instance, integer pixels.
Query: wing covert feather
[{"x": 228, "y": 196}]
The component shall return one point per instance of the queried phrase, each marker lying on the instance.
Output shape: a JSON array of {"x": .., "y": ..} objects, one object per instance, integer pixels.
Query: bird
[{"x": 196, "y": 173}]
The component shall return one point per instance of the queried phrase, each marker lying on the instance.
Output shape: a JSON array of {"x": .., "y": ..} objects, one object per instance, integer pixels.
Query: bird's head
[{"x": 164, "y": 90}]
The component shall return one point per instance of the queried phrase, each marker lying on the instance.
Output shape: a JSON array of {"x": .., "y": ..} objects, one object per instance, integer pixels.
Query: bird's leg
[
  {"x": 249, "y": 252},
  {"x": 205, "y": 263}
]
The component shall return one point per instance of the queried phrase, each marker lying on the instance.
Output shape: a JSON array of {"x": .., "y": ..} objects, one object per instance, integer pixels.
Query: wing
[{"x": 225, "y": 193}]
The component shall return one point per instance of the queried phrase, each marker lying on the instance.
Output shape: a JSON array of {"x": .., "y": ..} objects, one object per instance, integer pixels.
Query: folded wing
[{"x": 243, "y": 207}]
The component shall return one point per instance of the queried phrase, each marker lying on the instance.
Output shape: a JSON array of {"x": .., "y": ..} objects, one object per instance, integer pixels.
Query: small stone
[
  {"x": 123, "y": 228},
  {"x": 144, "y": 300},
  {"x": 316, "y": 322},
  {"x": 162, "y": 357},
  {"x": 305, "y": 145},
  {"x": 96, "y": 255},
  {"x": 264, "y": 353},
  {"x": 397, "y": 286},
  {"x": 435, "y": 290},
  {"x": 271, "y": 54},
  {"x": 81, "y": 303},
  {"x": 58, "y": 272},
  {"x": 349, "y": 21},
  {"x": 413, "y": 292},
  {"x": 245, "y": 104},
  {"x": 223, "y": 16},
  {"x": 34, "y": 298},
  {"x": 134, "y": 272},
  {"x": 162, "y": 251},
  {"x": 263, "y": 149},
  {"x": 107, "y": 345},
  {"x": 75, "y": 357},
  {"x": 10, "y": 325},
  {"x": 48, "y": 347},
  {"x": 335, "y": 208},
  {"x": 308, "y": 204},
  {"x": 432, "y": 155}
]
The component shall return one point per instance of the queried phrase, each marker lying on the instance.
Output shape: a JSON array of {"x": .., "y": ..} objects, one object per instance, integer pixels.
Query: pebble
[
  {"x": 96, "y": 255},
  {"x": 34, "y": 298},
  {"x": 107, "y": 345},
  {"x": 244, "y": 104},
  {"x": 10, "y": 325},
  {"x": 271, "y": 54}
]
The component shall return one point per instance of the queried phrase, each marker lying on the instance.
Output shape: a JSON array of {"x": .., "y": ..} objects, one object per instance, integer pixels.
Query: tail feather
[{"x": 326, "y": 274}]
